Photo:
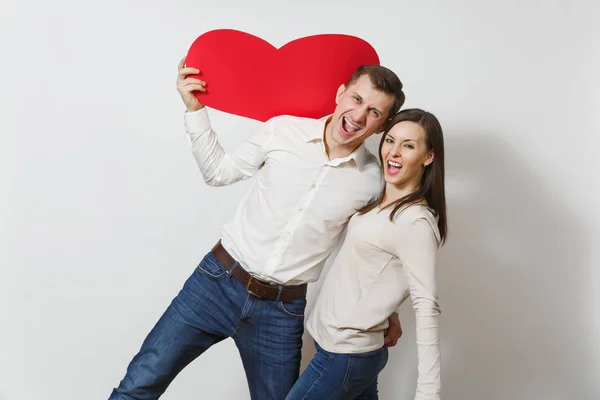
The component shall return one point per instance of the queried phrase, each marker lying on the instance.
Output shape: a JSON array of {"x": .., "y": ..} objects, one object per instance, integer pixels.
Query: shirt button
[
  {"x": 313, "y": 186},
  {"x": 288, "y": 232},
  {"x": 301, "y": 209}
]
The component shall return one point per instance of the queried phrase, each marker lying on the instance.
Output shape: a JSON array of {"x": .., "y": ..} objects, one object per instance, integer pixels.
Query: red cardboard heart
[{"x": 247, "y": 76}]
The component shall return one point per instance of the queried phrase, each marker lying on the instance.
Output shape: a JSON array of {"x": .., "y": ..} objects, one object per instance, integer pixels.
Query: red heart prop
[{"x": 247, "y": 76}]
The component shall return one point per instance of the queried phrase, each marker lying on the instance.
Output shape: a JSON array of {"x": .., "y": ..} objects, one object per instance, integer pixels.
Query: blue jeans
[
  {"x": 331, "y": 376},
  {"x": 210, "y": 307}
]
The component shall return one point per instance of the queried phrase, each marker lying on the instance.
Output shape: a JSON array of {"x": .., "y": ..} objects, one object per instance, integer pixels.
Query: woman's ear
[{"x": 429, "y": 159}]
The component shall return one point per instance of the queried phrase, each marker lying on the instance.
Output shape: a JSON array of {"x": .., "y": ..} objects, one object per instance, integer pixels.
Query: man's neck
[{"x": 333, "y": 149}]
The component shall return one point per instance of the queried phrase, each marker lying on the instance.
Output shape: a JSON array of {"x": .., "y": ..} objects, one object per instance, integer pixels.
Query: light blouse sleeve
[{"x": 416, "y": 248}]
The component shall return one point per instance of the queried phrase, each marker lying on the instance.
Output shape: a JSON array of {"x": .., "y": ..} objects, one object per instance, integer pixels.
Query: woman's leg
[
  {"x": 334, "y": 376},
  {"x": 370, "y": 393},
  {"x": 361, "y": 376},
  {"x": 321, "y": 379}
]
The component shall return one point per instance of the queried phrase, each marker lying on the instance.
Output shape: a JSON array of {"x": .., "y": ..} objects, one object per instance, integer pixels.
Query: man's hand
[
  {"x": 186, "y": 86},
  {"x": 393, "y": 332}
]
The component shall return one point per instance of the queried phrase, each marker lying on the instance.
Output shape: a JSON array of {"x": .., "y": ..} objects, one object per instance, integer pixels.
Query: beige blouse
[{"x": 380, "y": 264}]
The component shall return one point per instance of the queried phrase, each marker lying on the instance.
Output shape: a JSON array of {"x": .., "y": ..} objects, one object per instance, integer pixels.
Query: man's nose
[{"x": 360, "y": 114}]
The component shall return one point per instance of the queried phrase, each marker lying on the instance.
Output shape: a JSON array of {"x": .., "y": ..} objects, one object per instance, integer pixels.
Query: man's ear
[{"x": 340, "y": 93}]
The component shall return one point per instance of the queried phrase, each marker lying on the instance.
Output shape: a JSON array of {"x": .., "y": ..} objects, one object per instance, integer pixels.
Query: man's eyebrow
[{"x": 372, "y": 108}]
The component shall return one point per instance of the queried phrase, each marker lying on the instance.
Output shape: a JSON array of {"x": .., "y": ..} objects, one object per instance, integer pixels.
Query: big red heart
[{"x": 247, "y": 76}]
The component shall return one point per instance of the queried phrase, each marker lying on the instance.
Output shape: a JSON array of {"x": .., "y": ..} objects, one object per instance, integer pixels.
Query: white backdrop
[{"x": 104, "y": 213}]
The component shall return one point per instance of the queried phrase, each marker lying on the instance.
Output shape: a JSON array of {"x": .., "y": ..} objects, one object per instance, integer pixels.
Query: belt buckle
[{"x": 250, "y": 290}]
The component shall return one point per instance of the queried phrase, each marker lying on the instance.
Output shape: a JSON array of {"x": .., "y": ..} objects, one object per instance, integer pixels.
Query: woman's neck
[{"x": 393, "y": 193}]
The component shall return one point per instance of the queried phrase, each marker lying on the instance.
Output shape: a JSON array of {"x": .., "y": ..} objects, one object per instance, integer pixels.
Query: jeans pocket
[
  {"x": 363, "y": 369},
  {"x": 211, "y": 267},
  {"x": 294, "y": 308}
]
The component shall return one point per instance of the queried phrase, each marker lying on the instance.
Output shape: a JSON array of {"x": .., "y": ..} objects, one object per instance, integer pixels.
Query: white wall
[{"x": 104, "y": 214}]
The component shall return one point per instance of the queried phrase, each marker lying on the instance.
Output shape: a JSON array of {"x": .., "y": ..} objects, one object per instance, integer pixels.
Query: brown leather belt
[{"x": 254, "y": 286}]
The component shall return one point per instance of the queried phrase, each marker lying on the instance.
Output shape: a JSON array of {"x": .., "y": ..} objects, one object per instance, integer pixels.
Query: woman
[{"x": 389, "y": 253}]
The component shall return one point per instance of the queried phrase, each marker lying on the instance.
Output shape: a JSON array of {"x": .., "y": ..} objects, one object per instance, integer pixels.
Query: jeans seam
[
  {"x": 214, "y": 264},
  {"x": 323, "y": 371},
  {"x": 230, "y": 272},
  {"x": 246, "y": 319},
  {"x": 369, "y": 353},
  {"x": 281, "y": 306},
  {"x": 347, "y": 376}
]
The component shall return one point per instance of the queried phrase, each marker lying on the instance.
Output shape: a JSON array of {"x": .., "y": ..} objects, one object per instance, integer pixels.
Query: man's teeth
[
  {"x": 394, "y": 164},
  {"x": 351, "y": 126}
]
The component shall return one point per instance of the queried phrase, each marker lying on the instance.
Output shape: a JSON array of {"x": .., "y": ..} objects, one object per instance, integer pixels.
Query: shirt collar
[
  {"x": 359, "y": 156},
  {"x": 319, "y": 132}
]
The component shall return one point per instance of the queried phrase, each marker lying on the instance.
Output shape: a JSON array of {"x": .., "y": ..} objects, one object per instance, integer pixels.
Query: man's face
[{"x": 360, "y": 112}]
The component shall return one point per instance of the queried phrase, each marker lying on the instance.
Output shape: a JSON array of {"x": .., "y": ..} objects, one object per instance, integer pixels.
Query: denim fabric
[
  {"x": 211, "y": 307},
  {"x": 331, "y": 376}
]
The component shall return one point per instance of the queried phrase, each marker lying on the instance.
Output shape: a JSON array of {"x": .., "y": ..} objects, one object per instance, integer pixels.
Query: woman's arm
[{"x": 417, "y": 246}]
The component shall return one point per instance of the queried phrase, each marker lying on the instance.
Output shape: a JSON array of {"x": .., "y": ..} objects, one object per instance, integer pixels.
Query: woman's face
[{"x": 404, "y": 154}]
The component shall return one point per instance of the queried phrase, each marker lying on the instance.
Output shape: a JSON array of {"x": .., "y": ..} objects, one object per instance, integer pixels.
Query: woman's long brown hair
[{"x": 432, "y": 187}]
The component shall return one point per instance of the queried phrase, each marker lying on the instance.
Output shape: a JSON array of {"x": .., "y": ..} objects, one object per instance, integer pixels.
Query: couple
[{"x": 312, "y": 179}]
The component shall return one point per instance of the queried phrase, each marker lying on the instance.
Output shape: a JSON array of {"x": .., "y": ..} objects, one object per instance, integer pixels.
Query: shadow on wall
[{"x": 511, "y": 279}]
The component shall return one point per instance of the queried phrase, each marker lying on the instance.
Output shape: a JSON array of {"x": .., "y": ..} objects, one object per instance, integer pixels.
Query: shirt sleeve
[
  {"x": 217, "y": 167},
  {"x": 416, "y": 247}
]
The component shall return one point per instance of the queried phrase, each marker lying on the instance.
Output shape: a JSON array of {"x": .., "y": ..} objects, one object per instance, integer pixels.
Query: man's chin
[
  {"x": 347, "y": 137},
  {"x": 341, "y": 140}
]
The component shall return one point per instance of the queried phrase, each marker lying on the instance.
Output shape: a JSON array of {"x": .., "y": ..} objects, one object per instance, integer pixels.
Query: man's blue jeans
[
  {"x": 335, "y": 376},
  {"x": 210, "y": 307}
]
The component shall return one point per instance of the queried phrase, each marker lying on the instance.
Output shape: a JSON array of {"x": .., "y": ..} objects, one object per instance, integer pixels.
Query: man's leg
[
  {"x": 205, "y": 311},
  {"x": 270, "y": 344}
]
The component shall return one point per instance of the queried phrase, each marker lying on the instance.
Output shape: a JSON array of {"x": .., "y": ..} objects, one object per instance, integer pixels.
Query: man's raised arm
[{"x": 217, "y": 167}]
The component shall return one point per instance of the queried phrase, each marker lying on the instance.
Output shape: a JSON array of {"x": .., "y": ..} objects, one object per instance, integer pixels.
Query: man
[{"x": 310, "y": 177}]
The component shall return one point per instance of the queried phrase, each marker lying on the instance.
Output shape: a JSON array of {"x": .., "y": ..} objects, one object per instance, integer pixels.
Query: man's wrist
[
  {"x": 194, "y": 109},
  {"x": 196, "y": 122}
]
